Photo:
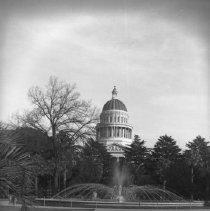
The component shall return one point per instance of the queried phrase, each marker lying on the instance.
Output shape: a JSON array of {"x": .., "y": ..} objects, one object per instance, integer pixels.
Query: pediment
[{"x": 115, "y": 148}]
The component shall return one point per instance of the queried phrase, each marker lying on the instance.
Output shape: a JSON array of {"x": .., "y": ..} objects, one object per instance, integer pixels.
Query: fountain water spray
[{"x": 120, "y": 194}]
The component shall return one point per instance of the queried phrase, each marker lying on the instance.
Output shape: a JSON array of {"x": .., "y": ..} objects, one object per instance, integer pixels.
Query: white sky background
[{"x": 155, "y": 52}]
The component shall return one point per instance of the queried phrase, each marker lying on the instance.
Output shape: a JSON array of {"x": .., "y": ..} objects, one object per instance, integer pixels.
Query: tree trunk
[
  {"x": 64, "y": 178},
  {"x": 36, "y": 185},
  {"x": 207, "y": 188},
  {"x": 56, "y": 174},
  {"x": 192, "y": 183}
]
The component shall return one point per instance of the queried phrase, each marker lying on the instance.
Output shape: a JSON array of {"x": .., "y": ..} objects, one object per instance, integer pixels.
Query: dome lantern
[{"x": 114, "y": 93}]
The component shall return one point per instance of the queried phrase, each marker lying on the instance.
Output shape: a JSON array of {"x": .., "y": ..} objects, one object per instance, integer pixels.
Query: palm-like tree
[{"x": 15, "y": 168}]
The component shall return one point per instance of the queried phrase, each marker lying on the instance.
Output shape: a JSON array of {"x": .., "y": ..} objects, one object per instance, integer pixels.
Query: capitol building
[{"x": 114, "y": 130}]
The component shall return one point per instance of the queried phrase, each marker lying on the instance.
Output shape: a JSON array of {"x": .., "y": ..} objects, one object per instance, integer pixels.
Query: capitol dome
[
  {"x": 114, "y": 131},
  {"x": 114, "y": 104}
]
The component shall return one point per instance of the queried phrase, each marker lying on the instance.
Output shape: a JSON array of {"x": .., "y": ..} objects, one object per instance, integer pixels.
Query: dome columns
[
  {"x": 104, "y": 131},
  {"x": 116, "y": 117}
]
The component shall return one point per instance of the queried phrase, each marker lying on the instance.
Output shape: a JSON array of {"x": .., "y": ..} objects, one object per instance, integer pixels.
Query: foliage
[
  {"x": 198, "y": 153},
  {"x": 136, "y": 152},
  {"x": 16, "y": 166},
  {"x": 177, "y": 177},
  {"x": 35, "y": 141},
  {"x": 95, "y": 163},
  {"x": 164, "y": 154},
  {"x": 198, "y": 156},
  {"x": 136, "y": 155}
]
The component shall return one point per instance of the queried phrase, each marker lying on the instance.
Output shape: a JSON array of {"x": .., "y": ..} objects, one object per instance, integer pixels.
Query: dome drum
[{"x": 113, "y": 131}]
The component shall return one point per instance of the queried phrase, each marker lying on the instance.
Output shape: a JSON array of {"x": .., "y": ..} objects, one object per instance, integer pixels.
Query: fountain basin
[
  {"x": 119, "y": 193},
  {"x": 74, "y": 203}
]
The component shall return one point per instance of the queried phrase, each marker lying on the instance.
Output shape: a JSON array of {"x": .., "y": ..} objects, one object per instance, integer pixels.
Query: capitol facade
[{"x": 114, "y": 130}]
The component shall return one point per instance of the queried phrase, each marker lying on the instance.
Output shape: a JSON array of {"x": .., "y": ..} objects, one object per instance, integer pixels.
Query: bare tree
[
  {"x": 3, "y": 126},
  {"x": 58, "y": 109}
]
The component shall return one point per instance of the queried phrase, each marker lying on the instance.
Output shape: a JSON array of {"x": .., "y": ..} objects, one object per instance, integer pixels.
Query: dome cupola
[{"x": 114, "y": 103}]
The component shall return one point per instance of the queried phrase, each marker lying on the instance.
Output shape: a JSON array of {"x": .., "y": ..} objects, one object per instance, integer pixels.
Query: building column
[
  {"x": 99, "y": 134},
  {"x": 104, "y": 132}
]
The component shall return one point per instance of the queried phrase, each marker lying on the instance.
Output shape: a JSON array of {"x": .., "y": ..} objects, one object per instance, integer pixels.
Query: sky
[{"x": 156, "y": 52}]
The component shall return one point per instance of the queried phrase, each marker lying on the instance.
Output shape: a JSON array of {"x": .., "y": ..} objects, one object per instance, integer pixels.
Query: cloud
[
  {"x": 158, "y": 64},
  {"x": 185, "y": 103}
]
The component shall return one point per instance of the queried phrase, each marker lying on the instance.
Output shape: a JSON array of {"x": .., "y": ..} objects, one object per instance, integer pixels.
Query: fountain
[
  {"x": 120, "y": 195},
  {"x": 119, "y": 192}
]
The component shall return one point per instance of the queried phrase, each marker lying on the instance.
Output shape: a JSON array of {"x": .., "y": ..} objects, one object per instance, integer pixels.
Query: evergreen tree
[
  {"x": 136, "y": 152},
  {"x": 165, "y": 153},
  {"x": 198, "y": 156},
  {"x": 95, "y": 163},
  {"x": 136, "y": 155}
]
